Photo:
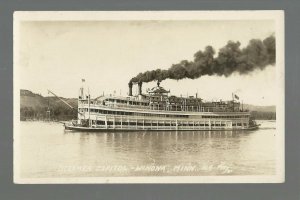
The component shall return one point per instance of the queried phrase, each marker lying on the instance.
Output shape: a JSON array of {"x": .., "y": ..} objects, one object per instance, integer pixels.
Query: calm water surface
[{"x": 47, "y": 150}]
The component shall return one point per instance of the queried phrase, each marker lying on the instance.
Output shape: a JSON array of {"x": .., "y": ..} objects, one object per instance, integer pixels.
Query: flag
[
  {"x": 235, "y": 96},
  {"x": 83, "y": 80}
]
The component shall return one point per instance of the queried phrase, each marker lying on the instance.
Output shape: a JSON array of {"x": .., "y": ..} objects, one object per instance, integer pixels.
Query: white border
[{"x": 277, "y": 16}]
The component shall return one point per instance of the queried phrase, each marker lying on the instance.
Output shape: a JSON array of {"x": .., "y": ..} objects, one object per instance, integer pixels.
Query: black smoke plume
[{"x": 231, "y": 58}]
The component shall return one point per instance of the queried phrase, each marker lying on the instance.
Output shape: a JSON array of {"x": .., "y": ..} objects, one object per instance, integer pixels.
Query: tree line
[
  {"x": 56, "y": 113},
  {"x": 263, "y": 115}
]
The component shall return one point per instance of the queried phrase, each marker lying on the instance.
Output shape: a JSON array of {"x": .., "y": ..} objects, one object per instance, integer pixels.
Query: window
[
  {"x": 135, "y": 113},
  {"x": 100, "y": 122}
]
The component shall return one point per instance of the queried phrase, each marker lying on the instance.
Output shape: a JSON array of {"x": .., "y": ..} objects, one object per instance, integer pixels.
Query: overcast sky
[{"x": 107, "y": 54}]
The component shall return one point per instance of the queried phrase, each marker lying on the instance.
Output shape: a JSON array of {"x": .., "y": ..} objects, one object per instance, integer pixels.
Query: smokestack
[
  {"x": 140, "y": 88},
  {"x": 130, "y": 89}
]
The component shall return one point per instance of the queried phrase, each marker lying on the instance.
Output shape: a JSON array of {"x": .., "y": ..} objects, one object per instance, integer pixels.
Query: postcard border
[{"x": 277, "y": 15}]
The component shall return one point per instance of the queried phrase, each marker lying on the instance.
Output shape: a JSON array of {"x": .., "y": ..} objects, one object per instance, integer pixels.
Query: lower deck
[
  {"x": 149, "y": 123},
  {"x": 153, "y": 128}
]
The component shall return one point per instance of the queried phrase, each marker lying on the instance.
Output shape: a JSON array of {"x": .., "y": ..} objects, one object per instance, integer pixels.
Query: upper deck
[
  {"x": 159, "y": 100},
  {"x": 115, "y": 108}
]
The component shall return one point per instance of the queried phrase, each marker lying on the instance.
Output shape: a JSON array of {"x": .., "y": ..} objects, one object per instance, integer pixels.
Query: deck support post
[
  {"x": 114, "y": 123},
  {"x": 105, "y": 121},
  {"x": 121, "y": 122},
  {"x": 136, "y": 122}
]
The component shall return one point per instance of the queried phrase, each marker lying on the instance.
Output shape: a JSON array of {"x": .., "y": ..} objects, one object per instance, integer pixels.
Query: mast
[
  {"x": 61, "y": 99},
  {"x": 48, "y": 111}
]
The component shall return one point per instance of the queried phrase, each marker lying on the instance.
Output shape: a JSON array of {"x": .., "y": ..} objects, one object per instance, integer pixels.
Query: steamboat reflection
[{"x": 156, "y": 147}]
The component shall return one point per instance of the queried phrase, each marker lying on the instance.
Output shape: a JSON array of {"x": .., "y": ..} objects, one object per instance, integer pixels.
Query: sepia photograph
[{"x": 149, "y": 97}]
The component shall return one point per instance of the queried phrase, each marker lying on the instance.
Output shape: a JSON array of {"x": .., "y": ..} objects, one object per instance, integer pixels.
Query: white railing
[
  {"x": 164, "y": 119},
  {"x": 148, "y": 108}
]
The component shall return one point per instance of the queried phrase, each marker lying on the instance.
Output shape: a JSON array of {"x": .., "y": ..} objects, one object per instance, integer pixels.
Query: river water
[{"x": 48, "y": 151}]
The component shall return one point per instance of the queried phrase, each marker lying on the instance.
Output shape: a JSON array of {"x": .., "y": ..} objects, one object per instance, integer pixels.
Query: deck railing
[
  {"x": 165, "y": 108},
  {"x": 168, "y": 119}
]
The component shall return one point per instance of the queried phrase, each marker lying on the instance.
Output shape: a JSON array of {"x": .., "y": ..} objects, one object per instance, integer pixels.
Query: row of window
[
  {"x": 226, "y": 117},
  {"x": 154, "y": 103},
  {"x": 127, "y": 102},
  {"x": 153, "y": 115},
  {"x": 110, "y": 112},
  {"x": 98, "y": 122},
  {"x": 176, "y": 101},
  {"x": 155, "y": 98}
]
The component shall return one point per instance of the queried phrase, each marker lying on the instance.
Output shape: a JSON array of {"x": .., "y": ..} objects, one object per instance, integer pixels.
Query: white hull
[{"x": 137, "y": 128}]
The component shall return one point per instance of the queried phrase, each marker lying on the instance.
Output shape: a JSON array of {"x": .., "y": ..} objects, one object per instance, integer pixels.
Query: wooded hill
[{"x": 34, "y": 107}]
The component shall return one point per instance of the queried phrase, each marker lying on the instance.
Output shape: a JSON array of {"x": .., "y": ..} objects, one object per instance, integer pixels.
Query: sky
[{"x": 57, "y": 55}]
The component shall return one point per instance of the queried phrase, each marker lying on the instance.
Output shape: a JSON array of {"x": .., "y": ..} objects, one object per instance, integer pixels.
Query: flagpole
[
  {"x": 242, "y": 106},
  {"x": 89, "y": 102},
  {"x": 232, "y": 102}
]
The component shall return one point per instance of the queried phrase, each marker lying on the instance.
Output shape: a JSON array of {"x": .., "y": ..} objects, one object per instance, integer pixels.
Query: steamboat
[{"x": 157, "y": 110}]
